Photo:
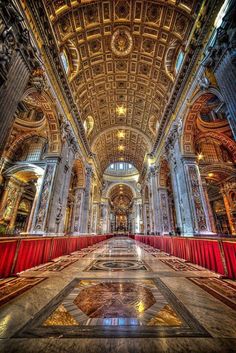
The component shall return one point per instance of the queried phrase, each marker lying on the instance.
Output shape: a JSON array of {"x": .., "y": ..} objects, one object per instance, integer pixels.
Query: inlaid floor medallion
[
  {"x": 114, "y": 308},
  {"x": 117, "y": 265}
]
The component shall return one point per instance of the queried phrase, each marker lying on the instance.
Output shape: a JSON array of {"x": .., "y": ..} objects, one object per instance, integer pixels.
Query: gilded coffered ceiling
[
  {"x": 121, "y": 197},
  {"x": 121, "y": 58}
]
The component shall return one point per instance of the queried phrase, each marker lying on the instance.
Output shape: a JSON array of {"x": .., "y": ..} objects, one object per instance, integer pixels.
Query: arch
[
  {"x": 23, "y": 167},
  {"x": 12, "y": 146},
  {"x": 121, "y": 127},
  {"x": 115, "y": 184},
  {"x": 228, "y": 171},
  {"x": 46, "y": 103},
  {"x": 121, "y": 193},
  {"x": 189, "y": 126},
  {"x": 226, "y": 141}
]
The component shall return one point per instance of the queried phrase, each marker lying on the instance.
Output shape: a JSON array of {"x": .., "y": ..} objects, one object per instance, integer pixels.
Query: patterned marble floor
[{"x": 121, "y": 296}]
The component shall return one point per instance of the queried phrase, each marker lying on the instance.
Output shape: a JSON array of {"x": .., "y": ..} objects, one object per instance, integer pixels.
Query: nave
[{"x": 119, "y": 295}]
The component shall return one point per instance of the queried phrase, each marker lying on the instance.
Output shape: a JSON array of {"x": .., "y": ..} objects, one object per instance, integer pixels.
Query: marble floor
[{"x": 120, "y": 296}]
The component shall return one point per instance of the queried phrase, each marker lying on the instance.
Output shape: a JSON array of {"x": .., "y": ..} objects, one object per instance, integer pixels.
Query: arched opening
[
  {"x": 121, "y": 204},
  {"x": 165, "y": 182},
  {"x": 19, "y": 198},
  {"x": 208, "y": 137},
  {"x": 121, "y": 169},
  {"x": 77, "y": 184}
]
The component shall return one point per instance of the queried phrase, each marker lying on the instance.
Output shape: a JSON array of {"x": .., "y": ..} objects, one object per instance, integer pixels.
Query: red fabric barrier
[
  {"x": 59, "y": 247},
  {"x": 7, "y": 254},
  {"x": 83, "y": 242},
  {"x": 180, "y": 248},
  {"x": 73, "y": 244},
  {"x": 229, "y": 249},
  {"x": 30, "y": 254},
  {"x": 24, "y": 253},
  {"x": 47, "y": 250},
  {"x": 204, "y": 252}
]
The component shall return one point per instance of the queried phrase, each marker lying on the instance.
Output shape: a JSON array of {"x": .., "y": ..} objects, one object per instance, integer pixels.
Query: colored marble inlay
[
  {"x": 13, "y": 288},
  {"x": 117, "y": 265},
  {"x": 107, "y": 300},
  {"x": 220, "y": 289},
  {"x": 179, "y": 265},
  {"x": 114, "y": 308},
  {"x": 56, "y": 266},
  {"x": 60, "y": 317},
  {"x": 116, "y": 255}
]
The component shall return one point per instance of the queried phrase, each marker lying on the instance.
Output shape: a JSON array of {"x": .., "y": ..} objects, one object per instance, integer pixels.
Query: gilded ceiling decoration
[
  {"x": 121, "y": 42},
  {"x": 121, "y": 56}
]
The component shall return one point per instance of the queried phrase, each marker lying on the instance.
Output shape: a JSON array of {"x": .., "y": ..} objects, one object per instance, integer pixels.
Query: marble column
[
  {"x": 137, "y": 215},
  {"x": 86, "y": 202},
  {"x": 18, "y": 58},
  {"x": 164, "y": 226},
  {"x": 77, "y": 210},
  {"x": 197, "y": 201},
  {"x": 39, "y": 225},
  {"x": 105, "y": 216},
  {"x": 95, "y": 217},
  {"x": 146, "y": 218},
  {"x": 59, "y": 199},
  {"x": 184, "y": 217},
  {"x": 191, "y": 210},
  {"x": 155, "y": 226}
]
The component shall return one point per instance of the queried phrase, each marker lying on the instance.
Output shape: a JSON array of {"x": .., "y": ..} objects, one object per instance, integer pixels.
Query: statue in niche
[
  {"x": 204, "y": 83},
  {"x": 44, "y": 196}
]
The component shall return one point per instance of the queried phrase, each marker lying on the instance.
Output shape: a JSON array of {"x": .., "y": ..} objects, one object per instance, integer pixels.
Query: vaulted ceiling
[
  {"x": 122, "y": 56},
  {"x": 121, "y": 197}
]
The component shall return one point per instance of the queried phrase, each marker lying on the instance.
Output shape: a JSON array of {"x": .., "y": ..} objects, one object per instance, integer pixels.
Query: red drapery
[
  {"x": 30, "y": 254},
  {"x": 204, "y": 252},
  {"x": 7, "y": 255},
  {"x": 229, "y": 249},
  {"x": 19, "y": 254}
]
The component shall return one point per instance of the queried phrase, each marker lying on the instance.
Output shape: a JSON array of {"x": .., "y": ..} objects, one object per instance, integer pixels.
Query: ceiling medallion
[
  {"x": 121, "y": 42},
  {"x": 121, "y": 110},
  {"x": 121, "y": 148},
  {"x": 121, "y": 134}
]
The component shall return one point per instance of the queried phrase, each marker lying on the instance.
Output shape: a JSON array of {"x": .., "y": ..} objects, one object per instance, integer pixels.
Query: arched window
[
  {"x": 65, "y": 62},
  {"x": 31, "y": 150},
  {"x": 179, "y": 60}
]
